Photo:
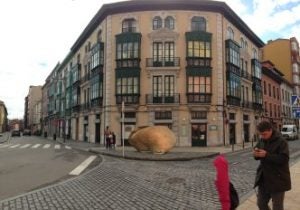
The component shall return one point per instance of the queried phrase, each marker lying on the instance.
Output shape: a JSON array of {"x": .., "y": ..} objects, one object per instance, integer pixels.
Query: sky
[{"x": 37, "y": 34}]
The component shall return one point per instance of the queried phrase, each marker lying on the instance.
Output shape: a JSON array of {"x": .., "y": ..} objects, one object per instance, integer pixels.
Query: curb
[{"x": 175, "y": 156}]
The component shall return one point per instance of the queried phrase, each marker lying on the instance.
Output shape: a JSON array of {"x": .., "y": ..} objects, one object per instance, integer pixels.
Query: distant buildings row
[{"x": 193, "y": 66}]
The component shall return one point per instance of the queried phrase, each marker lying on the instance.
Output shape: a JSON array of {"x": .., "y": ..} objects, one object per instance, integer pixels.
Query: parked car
[
  {"x": 289, "y": 132},
  {"x": 16, "y": 133},
  {"x": 27, "y": 132}
]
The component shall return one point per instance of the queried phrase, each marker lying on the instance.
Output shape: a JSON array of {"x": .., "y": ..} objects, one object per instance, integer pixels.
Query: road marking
[
  {"x": 68, "y": 147},
  {"x": 4, "y": 145},
  {"x": 46, "y": 146},
  {"x": 24, "y": 146},
  {"x": 57, "y": 146},
  {"x": 83, "y": 165},
  {"x": 14, "y": 146},
  {"x": 36, "y": 146}
]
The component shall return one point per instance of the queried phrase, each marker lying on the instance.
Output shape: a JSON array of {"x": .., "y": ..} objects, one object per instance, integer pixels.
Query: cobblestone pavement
[{"x": 135, "y": 185}]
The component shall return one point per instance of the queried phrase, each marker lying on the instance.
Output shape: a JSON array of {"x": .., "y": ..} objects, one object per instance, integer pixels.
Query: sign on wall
[{"x": 296, "y": 106}]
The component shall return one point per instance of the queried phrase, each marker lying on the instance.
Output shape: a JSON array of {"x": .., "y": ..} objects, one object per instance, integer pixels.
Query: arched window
[
  {"x": 99, "y": 36},
  {"x": 254, "y": 53},
  {"x": 230, "y": 33},
  {"x": 246, "y": 45},
  {"x": 129, "y": 25},
  {"x": 169, "y": 22},
  {"x": 242, "y": 43},
  {"x": 198, "y": 24},
  {"x": 157, "y": 23}
]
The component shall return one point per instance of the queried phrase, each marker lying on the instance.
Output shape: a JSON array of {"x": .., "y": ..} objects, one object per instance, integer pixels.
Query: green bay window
[
  {"x": 199, "y": 85},
  {"x": 127, "y": 89},
  {"x": 199, "y": 49},
  {"x": 128, "y": 48}
]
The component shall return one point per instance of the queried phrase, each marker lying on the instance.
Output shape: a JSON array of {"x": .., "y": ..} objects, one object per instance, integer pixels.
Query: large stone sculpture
[{"x": 157, "y": 139}]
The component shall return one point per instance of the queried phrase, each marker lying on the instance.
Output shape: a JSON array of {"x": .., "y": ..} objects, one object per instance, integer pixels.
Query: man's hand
[{"x": 260, "y": 153}]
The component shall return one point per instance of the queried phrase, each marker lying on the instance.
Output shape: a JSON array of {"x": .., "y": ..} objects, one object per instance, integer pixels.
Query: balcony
[
  {"x": 235, "y": 101},
  {"x": 203, "y": 98},
  {"x": 246, "y": 75},
  {"x": 163, "y": 99},
  {"x": 246, "y": 104},
  {"x": 97, "y": 102},
  {"x": 163, "y": 62},
  {"x": 128, "y": 63},
  {"x": 128, "y": 98},
  {"x": 198, "y": 62}
]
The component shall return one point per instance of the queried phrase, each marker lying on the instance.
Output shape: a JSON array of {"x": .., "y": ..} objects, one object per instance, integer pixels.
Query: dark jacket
[{"x": 273, "y": 169}]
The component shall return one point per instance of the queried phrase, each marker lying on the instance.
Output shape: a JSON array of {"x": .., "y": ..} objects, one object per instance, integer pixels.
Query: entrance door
[
  {"x": 246, "y": 133},
  {"x": 232, "y": 139},
  {"x": 97, "y": 133},
  {"x": 86, "y": 132},
  {"x": 199, "y": 134}
]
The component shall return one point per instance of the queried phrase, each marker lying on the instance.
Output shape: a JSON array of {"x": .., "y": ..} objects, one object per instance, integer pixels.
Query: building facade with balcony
[
  {"x": 193, "y": 66},
  {"x": 272, "y": 99}
]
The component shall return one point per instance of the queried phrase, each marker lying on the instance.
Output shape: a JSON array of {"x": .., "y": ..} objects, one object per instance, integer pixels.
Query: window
[
  {"x": 230, "y": 33},
  {"x": 96, "y": 56},
  {"x": 198, "y": 24},
  {"x": 199, "y": 115},
  {"x": 270, "y": 94},
  {"x": 96, "y": 87},
  {"x": 129, "y": 25},
  {"x": 199, "y": 84},
  {"x": 127, "y": 85},
  {"x": 157, "y": 23},
  {"x": 234, "y": 85},
  {"x": 129, "y": 53},
  {"x": 242, "y": 43},
  {"x": 233, "y": 54},
  {"x": 254, "y": 54},
  {"x": 200, "y": 49},
  {"x": 169, "y": 22},
  {"x": 99, "y": 36},
  {"x": 163, "y": 85},
  {"x": 274, "y": 92},
  {"x": 265, "y": 88},
  {"x": 167, "y": 115}
]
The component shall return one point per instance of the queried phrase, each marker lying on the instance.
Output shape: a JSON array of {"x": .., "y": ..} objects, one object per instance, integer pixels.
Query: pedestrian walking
[
  {"x": 108, "y": 136},
  {"x": 273, "y": 173},
  {"x": 113, "y": 140},
  {"x": 228, "y": 196}
]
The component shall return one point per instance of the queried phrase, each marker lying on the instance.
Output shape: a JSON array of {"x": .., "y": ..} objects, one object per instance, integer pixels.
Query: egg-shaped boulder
[{"x": 157, "y": 139}]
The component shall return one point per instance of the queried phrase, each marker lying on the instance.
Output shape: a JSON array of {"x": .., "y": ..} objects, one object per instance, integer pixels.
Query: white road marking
[
  {"x": 14, "y": 146},
  {"x": 83, "y": 165},
  {"x": 4, "y": 145},
  {"x": 24, "y": 146},
  {"x": 68, "y": 147},
  {"x": 36, "y": 146},
  {"x": 57, "y": 146},
  {"x": 46, "y": 146}
]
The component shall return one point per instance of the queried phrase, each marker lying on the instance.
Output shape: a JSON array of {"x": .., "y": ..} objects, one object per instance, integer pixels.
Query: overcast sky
[{"x": 37, "y": 34}]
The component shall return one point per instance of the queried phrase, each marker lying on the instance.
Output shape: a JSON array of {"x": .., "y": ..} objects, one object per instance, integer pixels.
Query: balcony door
[
  {"x": 163, "y": 54},
  {"x": 163, "y": 88}
]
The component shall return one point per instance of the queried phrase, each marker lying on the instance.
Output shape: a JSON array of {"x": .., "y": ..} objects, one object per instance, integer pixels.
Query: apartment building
[
  {"x": 32, "y": 112},
  {"x": 193, "y": 66},
  {"x": 288, "y": 60}
]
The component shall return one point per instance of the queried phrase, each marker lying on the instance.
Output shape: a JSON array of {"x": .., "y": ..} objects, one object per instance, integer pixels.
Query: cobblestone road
[{"x": 137, "y": 185}]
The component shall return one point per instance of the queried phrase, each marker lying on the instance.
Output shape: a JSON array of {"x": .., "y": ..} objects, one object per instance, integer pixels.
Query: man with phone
[{"x": 273, "y": 174}]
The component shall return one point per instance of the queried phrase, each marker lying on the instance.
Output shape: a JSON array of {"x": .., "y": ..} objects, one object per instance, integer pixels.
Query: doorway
[
  {"x": 199, "y": 134},
  {"x": 97, "y": 133},
  {"x": 246, "y": 133},
  {"x": 232, "y": 137}
]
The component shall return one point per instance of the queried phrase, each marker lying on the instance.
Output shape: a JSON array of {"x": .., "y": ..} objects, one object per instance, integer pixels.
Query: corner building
[{"x": 193, "y": 66}]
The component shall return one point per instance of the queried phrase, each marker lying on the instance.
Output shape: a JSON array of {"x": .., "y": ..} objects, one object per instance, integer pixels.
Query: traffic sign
[{"x": 295, "y": 101}]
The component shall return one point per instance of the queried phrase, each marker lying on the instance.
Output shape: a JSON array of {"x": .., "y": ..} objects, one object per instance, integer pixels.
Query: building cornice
[{"x": 154, "y": 5}]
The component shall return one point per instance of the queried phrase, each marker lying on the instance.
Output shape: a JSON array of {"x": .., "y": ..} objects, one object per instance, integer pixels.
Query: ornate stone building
[
  {"x": 3, "y": 117},
  {"x": 193, "y": 66}
]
